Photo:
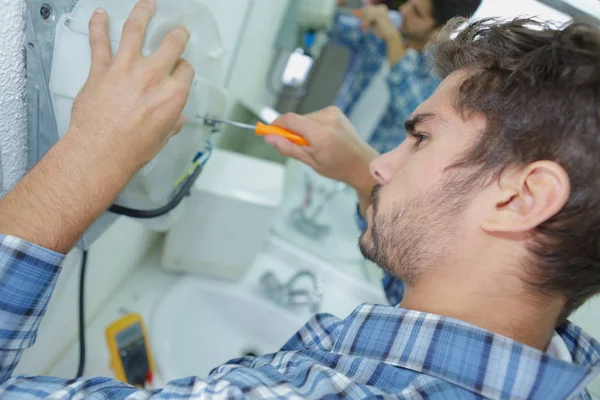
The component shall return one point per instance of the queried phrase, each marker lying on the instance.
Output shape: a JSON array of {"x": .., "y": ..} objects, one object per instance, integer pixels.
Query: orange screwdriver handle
[{"x": 263, "y": 129}]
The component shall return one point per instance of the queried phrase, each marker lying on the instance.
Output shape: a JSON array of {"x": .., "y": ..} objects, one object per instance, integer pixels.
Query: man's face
[
  {"x": 418, "y": 23},
  {"x": 421, "y": 209}
]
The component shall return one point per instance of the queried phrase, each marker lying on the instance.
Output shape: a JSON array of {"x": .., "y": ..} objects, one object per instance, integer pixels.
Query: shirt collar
[{"x": 464, "y": 355}]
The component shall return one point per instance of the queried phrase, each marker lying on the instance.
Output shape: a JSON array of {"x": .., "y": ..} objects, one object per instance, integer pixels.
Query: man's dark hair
[
  {"x": 539, "y": 89},
  {"x": 445, "y": 10}
]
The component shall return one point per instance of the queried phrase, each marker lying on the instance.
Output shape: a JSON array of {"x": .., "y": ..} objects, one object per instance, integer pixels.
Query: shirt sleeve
[
  {"x": 43, "y": 387},
  {"x": 393, "y": 287},
  {"x": 28, "y": 275},
  {"x": 344, "y": 33},
  {"x": 410, "y": 81}
]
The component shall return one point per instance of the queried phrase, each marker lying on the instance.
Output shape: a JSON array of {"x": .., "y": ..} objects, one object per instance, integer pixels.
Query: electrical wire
[
  {"x": 199, "y": 161},
  {"x": 185, "y": 184},
  {"x": 183, "y": 191},
  {"x": 82, "y": 346}
]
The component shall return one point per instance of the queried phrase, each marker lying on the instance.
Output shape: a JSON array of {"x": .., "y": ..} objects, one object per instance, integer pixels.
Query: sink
[{"x": 202, "y": 323}]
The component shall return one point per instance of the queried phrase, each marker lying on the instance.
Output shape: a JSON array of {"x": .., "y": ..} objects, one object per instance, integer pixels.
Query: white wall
[
  {"x": 256, "y": 52},
  {"x": 513, "y": 8},
  {"x": 111, "y": 259},
  {"x": 13, "y": 92}
]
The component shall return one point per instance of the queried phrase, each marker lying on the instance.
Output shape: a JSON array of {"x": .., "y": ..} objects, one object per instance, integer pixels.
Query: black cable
[
  {"x": 184, "y": 190},
  {"x": 81, "y": 367}
]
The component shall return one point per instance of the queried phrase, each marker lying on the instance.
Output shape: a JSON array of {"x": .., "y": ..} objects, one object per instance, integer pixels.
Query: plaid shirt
[
  {"x": 377, "y": 352},
  {"x": 410, "y": 82}
]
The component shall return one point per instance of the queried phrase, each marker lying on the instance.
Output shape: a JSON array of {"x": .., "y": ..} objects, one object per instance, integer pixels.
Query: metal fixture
[
  {"x": 304, "y": 218},
  {"x": 292, "y": 294}
]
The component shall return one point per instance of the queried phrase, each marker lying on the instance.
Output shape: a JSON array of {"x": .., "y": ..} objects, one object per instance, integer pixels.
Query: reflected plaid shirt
[
  {"x": 377, "y": 352},
  {"x": 410, "y": 82}
]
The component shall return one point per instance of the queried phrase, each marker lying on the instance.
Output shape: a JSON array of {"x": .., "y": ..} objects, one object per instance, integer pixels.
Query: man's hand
[
  {"x": 376, "y": 18},
  {"x": 131, "y": 105},
  {"x": 129, "y": 108},
  {"x": 335, "y": 150}
]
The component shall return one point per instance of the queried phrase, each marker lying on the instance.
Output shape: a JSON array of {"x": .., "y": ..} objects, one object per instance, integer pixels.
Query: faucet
[
  {"x": 305, "y": 221},
  {"x": 289, "y": 295}
]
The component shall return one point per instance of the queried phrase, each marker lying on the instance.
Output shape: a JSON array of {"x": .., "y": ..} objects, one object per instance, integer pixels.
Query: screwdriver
[{"x": 261, "y": 129}]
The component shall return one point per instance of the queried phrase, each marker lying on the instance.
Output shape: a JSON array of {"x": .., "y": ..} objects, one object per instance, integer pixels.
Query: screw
[
  {"x": 67, "y": 21},
  {"x": 46, "y": 12},
  {"x": 30, "y": 45}
]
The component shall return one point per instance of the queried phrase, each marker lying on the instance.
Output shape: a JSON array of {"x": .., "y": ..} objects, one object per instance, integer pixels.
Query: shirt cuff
[{"x": 28, "y": 275}]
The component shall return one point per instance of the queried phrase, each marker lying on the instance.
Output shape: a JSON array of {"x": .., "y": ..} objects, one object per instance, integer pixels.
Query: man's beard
[{"x": 418, "y": 233}]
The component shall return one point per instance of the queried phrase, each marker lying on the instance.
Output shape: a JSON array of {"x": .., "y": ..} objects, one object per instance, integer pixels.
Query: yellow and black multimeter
[{"x": 129, "y": 348}]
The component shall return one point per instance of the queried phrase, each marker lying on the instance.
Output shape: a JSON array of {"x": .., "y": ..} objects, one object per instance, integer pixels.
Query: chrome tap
[
  {"x": 289, "y": 294},
  {"x": 305, "y": 218}
]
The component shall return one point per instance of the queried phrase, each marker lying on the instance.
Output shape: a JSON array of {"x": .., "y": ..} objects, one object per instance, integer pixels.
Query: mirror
[
  {"x": 311, "y": 68},
  {"x": 318, "y": 214}
]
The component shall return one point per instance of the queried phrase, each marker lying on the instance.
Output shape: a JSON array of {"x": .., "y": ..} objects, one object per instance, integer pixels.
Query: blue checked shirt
[
  {"x": 411, "y": 82},
  {"x": 377, "y": 352}
]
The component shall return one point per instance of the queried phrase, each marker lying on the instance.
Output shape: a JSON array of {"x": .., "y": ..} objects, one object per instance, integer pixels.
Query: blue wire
[{"x": 208, "y": 150}]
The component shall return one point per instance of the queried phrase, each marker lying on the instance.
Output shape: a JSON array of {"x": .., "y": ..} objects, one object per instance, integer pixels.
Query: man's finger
[
  {"x": 371, "y": 15},
  {"x": 100, "y": 42},
  {"x": 299, "y": 124},
  {"x": 289, "y": 149},
  {"x": 171, "y": 49},
  {"x": 134, "y": 30},
  {"x": 184, "y": 72}
]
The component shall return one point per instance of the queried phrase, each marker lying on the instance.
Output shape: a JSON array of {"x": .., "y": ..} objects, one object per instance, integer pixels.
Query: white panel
[
  {"x": 230, "y": 16},
  {"x": 256, "y": 52}
]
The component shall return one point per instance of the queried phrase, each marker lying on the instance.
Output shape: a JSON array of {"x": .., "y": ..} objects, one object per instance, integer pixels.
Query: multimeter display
[{"x": 132, "y": 351}]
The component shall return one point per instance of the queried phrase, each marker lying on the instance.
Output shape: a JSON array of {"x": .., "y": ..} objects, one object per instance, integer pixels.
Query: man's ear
[{"x": 527, "y": 197}]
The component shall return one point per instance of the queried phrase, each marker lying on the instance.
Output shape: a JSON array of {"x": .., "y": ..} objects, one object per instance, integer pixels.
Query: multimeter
[{"x": 131, "y": 359}]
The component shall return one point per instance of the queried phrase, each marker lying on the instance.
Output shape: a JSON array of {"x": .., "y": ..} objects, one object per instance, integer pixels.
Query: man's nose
[{"x": 384, "y": 167}]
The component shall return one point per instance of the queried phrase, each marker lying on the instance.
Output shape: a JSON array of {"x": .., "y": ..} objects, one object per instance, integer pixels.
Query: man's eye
[{"x": 419, "y": 138}]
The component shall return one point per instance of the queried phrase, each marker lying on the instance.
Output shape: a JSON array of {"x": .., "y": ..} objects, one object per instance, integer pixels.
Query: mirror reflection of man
[{"x": 378, "y": 47}]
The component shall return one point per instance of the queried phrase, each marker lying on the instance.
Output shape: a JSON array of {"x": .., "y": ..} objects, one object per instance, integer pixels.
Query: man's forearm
[
  {"x": 61, "y": 196},
  {"x": 396, "y": 48}
]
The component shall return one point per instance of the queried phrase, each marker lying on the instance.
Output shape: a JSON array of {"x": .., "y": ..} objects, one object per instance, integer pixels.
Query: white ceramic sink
[{"x": 200, "y": 323}]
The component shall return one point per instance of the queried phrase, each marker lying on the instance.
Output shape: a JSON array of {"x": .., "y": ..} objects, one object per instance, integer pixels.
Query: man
[
  {"x": 409, "y": 79},
  {"x": 488, "y": 212}
]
